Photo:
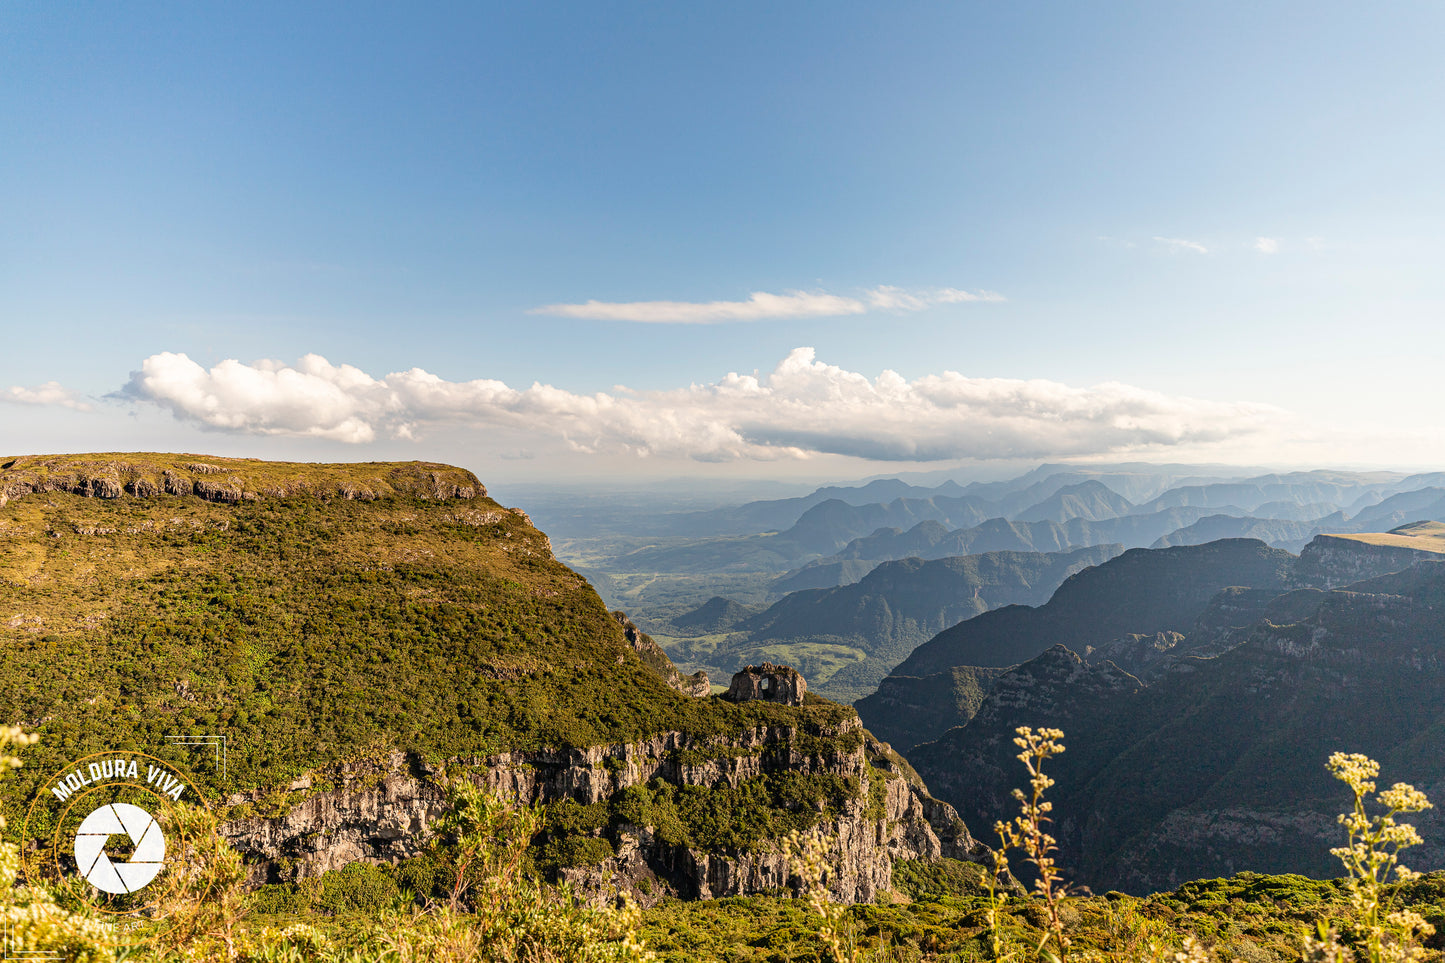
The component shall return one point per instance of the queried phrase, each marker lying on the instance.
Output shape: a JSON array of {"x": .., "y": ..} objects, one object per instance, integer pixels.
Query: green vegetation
[
  {"x": 473, "y": 898},
  {"x": 1371, "y": 856},
  {"x": 495, "y": 910},
  {"x": 1247, "y": 917},
  {"x": 735, "y": 819},
  {"x": 311, "y": 628},
  {"x": 845, "y": 640},
  {"x": 1029, "y": 832},
  {"x": 958, "y": 911},
  {"x": 355, "y": 610}
]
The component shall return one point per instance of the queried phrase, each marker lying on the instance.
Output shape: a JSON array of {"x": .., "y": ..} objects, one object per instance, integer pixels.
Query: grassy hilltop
[
  {"x": 312, "y": 613},
  {"x": 1420, "y": 536}
]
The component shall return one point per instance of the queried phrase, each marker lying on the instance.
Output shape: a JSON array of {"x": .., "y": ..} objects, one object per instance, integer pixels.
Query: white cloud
[
  {"x": 1178, "y": 245},
  {"x": 888, "y": 298},
  {"x": 761, "y": 306},
  {"x": 803, "y": 407},
  {"x": 50, "y": 393},
  {"x": 1266, "y": 245},
  {"x": 312, "y": 399}
]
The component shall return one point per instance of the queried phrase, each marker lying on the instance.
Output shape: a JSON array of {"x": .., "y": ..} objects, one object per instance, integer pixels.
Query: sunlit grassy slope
[
  {"x": 310, "y": 613},
  {"x": 1421, "y": 536}
]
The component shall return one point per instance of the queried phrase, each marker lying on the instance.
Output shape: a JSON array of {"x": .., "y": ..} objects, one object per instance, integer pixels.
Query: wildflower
[
  {"x": 1371, "y": 854},
  {"x": 1026, "y": 832}
]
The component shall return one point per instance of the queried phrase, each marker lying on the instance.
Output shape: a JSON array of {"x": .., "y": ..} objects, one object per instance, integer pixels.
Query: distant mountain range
[
  {"x": 934, "y": 540},
  {"x": 1064, "y": 510},
  {"x": 1156, "y": 525},
  {"x": 1120, "y": 609},
  {"x": 846, "y": 639},
  {"x": 1142, "y": 590},
  {"x": 665, "y": 567},
  {"x": 1253, "y": 626},
  {"x": 1201, "y": 689}
]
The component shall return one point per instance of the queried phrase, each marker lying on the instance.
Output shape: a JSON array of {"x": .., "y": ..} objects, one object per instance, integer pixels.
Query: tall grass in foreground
[
  {"x": 1028, "y": 833},
  {"x": 1374, "y": 933},
  {"x": 32, "y": 924},
  {"x": 496, "y": 911}
]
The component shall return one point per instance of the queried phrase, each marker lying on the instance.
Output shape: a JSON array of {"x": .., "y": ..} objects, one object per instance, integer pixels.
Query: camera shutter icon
[{"x": 146, "y": 861}]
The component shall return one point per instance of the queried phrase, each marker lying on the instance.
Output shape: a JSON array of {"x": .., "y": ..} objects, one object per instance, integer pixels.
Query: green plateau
[{"x": 313, "y": 613}]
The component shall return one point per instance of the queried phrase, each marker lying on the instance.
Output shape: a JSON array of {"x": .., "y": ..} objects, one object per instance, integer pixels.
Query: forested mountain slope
[{"x": 356, "y": 631}]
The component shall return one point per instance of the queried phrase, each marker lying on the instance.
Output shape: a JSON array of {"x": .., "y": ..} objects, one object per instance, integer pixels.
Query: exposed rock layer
[
  {"x": 381, "y": 811},
  {"x": 695, "y": 685},
  {"x": 227, "y": 480}
]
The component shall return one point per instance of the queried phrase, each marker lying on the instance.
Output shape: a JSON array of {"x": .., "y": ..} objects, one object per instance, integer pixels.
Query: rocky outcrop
[
  {"x": 861, "y": 847},
  {"x": 228, "y": 480},
  {"x": 771, "y": 683},
  {"x": 1142, "y": 656},
  {"x": 381, "y": 811},
  {"x": 376, "y": 811},
  {"x": 695, "y": 685}
]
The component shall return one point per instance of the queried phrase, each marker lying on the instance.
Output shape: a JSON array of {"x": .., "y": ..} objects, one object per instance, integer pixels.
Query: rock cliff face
[
  {"x": 975, "y": 765},
  {"x": 1142, "y": 656},
  {"x": 1142, "y": 591},
  {"x": 381, "y": 811},
  {"x": 227, "y": 480},
  {"x": 904, "y": 705},
  {"x": 1332, "y": 561}
]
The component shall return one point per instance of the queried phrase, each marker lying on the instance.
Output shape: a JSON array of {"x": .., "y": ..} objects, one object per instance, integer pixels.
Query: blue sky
[{"x": 1005, "y": 231}]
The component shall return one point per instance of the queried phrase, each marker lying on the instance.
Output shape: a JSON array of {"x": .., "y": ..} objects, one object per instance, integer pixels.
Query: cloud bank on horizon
[
  {"x": 762, "y": 306},
  {"x": 804, "y": 407}
]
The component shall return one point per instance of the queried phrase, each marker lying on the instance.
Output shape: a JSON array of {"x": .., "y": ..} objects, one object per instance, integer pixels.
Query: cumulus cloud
[
  {"x": 1266, "y": 245},
  {"x": 1179, "y": 245},
  {"x": 50, "y": 393},
  {"x": 803, "y": 407},
  {"x": 761, "y": 306}
]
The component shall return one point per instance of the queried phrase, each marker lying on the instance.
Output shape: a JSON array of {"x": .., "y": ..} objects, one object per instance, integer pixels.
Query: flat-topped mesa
[
  {"x": 770, "y": 683},
  {"x": 228, "y": 480},
  {"x": 118, "y": 575}
]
